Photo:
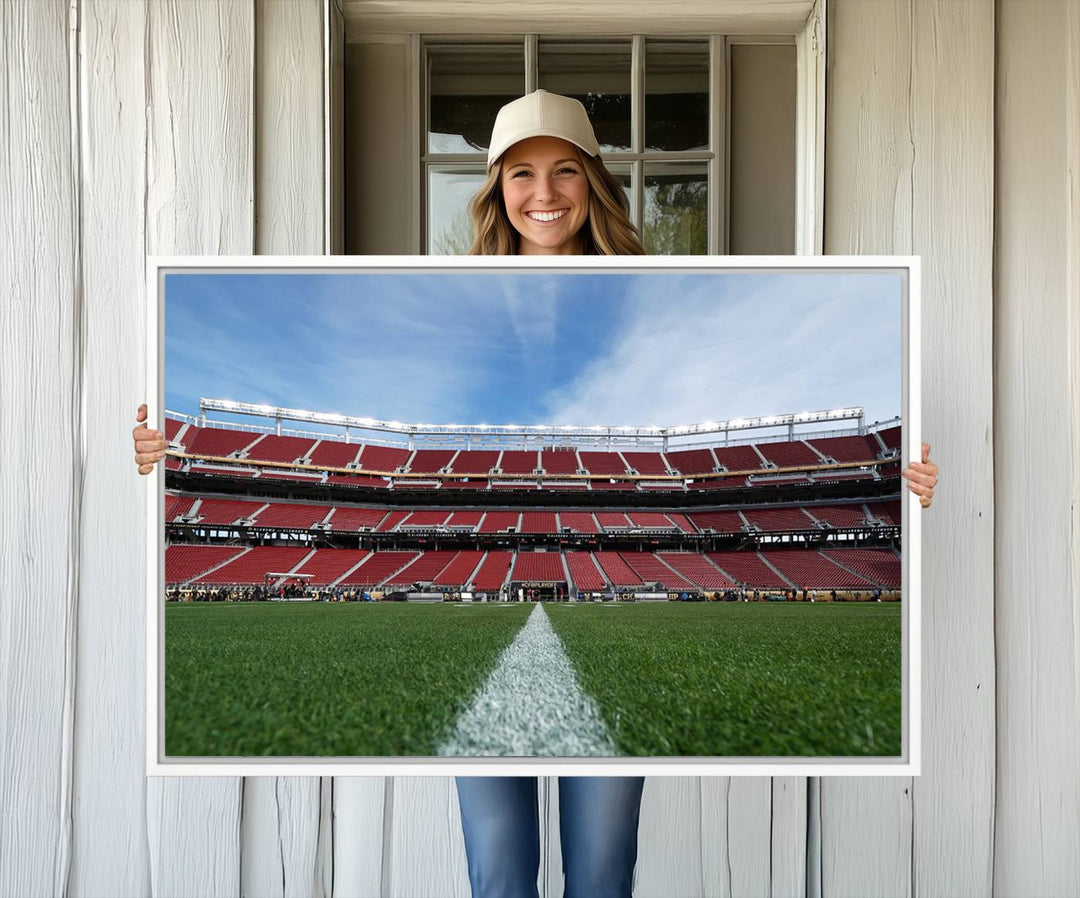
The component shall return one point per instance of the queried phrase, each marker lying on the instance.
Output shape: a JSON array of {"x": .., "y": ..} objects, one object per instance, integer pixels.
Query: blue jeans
[{"x": 598, "y": 827}]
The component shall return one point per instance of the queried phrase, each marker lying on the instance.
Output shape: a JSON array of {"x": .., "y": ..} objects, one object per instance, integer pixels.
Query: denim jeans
[{"x": 598, "y": 828}]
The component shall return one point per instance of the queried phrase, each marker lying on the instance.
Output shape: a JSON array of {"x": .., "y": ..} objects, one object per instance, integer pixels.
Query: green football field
[{"x": 668, "y": 679}]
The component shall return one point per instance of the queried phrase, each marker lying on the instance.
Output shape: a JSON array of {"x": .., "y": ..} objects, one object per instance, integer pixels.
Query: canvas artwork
[{"x": 494, "y": 513}]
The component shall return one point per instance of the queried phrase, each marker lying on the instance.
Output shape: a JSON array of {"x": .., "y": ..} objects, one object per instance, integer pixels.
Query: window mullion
[
  {"x": 532, "y": 62},
  {"x": 637, "y": 129},
  {"x": 717, "y": 185}
]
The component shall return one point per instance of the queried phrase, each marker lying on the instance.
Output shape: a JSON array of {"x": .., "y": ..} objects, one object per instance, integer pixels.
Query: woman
[{"x": 548, "y": 193}]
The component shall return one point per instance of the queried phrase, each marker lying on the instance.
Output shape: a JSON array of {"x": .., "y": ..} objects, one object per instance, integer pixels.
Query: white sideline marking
[{"x": 531, "y": 705}]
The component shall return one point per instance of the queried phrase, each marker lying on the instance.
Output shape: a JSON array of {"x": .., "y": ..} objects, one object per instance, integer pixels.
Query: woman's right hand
[{"x": 149, "y": 444}]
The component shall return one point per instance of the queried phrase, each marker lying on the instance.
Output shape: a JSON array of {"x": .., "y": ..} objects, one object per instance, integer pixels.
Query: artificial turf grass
[
  {"x": 740, "y": 679},
  {"x": 325, "y": 680}
]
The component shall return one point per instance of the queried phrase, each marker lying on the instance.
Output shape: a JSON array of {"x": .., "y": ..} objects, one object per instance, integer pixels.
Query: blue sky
[{"x": 537, "y": 348}]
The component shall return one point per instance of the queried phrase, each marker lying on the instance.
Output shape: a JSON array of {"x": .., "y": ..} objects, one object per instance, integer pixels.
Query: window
[{"x": 661, "y": 109}]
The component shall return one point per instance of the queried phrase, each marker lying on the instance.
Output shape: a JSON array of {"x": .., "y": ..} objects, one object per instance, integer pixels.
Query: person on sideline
[{"x": 547, "y": 193}]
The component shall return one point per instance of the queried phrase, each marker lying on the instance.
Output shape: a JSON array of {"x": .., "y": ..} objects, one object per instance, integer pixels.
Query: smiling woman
[{"x": 547, "y": 190}]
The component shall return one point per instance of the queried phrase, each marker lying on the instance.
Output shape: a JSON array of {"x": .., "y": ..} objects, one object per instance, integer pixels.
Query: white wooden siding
[{"x": 134, "y": 127}]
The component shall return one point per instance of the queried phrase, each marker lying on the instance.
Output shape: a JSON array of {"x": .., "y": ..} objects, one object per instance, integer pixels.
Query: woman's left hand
[{"x": 922, "y": 477}]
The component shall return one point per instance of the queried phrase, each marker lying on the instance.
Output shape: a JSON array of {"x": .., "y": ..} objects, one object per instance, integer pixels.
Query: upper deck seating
[
  {"x": 576, "y": 486},
  {"x": 613, "y": 485},
  {"x": 646, "y": 462},
  {"x": 748, "y": 568},
  {"x": 613, "y": 520},
  {"x": 880, "y": 566},
  {"x": 378, "y": 567},
  {"x": 538, "y": 567},
  {"x": 183, "y": 562},
  {"x": 353, "y": 520},
  {"x": 384, "y": 459},
  {"x": 458, "y": 571},
  {"x": 652, "y": 570},
  {"x": 586, "y": 575},
  {"x": 334, "y": 453},
  {"x": 475, "y": 461},
  {"x": 430, "y": 461},
  {"x": 499, "y": 521},
  {"x": 838, "y": 515},
  {"x": 651, "y": 520},
  {"x": 425, "y": 519},
  {"x": 697, "y": 569},
  {"x": 890, "y": 437},
  {"x": 889, "y": 512},
  {"x": 603, "y": 462},
  {"x": 691, "y": 461},
  {"x": 278, "y": 448},
  {"x": 789, "y": 454},
  {"x": 250, "y": 568},
  {"x": 778, "y": 519},
  {"x": 719, "y": 483},
  {"x": 326, "y": 565},
  {"x": 539, "y": 522},
  {"x": 493, "y": 571},
  {"x": 616, "y": 570},
  {"x": 424, "y": 570},
  {"x": 464, "y": 520},
  {"x": 739, "y": 458},
  {"x": 682, "y": 522},
  {"x": 811, "y": 570},
  {"x": 172, "y": 428},
  {"x": 719, "y": 521},
  {"x": 559, "y": 461},
  {"x": 502, "y": 485},
  {"x": 519, "y": 461},
  {"x": 226, "y": 511},
  {"x": 173, "y": 464},
  {"x": 853, "y": 448},
  {"x": 291, "y": 516},
  {"x": 177, "y": 505},
  {"x": 579, "y": 521},
  {"x": 392, "y": 520},
  {"x": 671, "y": 486},
  {"x": 219, "y": 442}
]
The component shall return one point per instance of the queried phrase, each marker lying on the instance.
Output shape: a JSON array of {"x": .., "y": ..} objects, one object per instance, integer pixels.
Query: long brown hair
[{"x": 607, "y": 232}]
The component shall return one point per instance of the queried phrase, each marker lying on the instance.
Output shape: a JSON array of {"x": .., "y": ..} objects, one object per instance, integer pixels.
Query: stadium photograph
[{"x": 542, "y": 514}]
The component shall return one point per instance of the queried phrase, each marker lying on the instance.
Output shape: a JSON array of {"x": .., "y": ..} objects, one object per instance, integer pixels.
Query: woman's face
[{"x": 546, "y": 195}]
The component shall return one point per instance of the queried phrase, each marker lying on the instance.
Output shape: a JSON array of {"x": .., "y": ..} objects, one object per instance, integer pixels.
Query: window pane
[
  {"x": 624, "y": 176},
  {"x": 676, "y": 209},
  {"x": 676, "y": 95},
  {"x": 467, "y": 84},
  {"x": 449, "y": 191},
  {"x": 597, "y": 74}
]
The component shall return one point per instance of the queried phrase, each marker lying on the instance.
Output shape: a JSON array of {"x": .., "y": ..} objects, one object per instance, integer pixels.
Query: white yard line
[{"x": 531, "y": 705}]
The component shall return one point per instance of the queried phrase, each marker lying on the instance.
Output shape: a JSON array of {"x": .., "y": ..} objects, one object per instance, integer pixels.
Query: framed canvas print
[{"x": 568, "y": 516}]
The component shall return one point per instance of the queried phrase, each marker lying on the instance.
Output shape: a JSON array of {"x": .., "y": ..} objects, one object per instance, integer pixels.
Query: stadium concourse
[{"x": 535, "y": 513}]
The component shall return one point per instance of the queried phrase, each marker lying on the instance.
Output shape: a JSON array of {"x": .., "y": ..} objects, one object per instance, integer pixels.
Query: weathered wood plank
[
  {"x": 670, "y": 839},
  {"x": 360, "y": 809},
  {"x": 868, "y": 196},
  {"x": 1036, "y": 831},
  {"x": 41, "y": 431},
  {"x": 281, "y": 816},
  {"x": 199, "y": 200},
  {"x": 424, "y": 852},
  {"x": 110, "y": 852},
  {"x": 952, "y": 83}
]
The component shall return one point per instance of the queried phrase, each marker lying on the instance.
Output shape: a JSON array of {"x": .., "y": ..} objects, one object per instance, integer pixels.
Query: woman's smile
[{"x": 546, "y": 194}]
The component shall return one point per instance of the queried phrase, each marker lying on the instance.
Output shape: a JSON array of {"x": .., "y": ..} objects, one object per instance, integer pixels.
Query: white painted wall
[{"x": 131, "y": 127}]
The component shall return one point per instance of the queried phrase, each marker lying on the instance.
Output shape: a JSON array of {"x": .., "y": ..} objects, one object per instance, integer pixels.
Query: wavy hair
[{"x": 607, "y": 231}]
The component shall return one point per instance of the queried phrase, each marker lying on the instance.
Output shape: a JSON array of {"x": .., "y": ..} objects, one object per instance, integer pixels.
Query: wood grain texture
[
  {"x": 909, "y": 170},
  {"x": 952, "y": 126},
  {"x": 424, "y": 851},
  {"x": 1036, "y": 367},
  {"x": 869, "y": 156},
  {"x": 554, "y": 17},
  {"x": 362, "y": 809},
  {"x": 788, "y": 846},
  {"x": 736, "y": 836},
  {"x": 199, "y": 200},
  {"x": 110, "y": 855},
  {"x": 282, "y": 815},
  {"x": 670, "y": 838},
  {"x": 40, "y": 422}
]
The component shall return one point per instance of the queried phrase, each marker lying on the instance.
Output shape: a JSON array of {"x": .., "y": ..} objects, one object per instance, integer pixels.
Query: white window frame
[{"x": 809, "y": 42}]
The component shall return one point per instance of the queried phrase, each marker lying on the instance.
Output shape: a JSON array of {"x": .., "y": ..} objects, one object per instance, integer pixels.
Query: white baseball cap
[{"x": 541, "y": 114}]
